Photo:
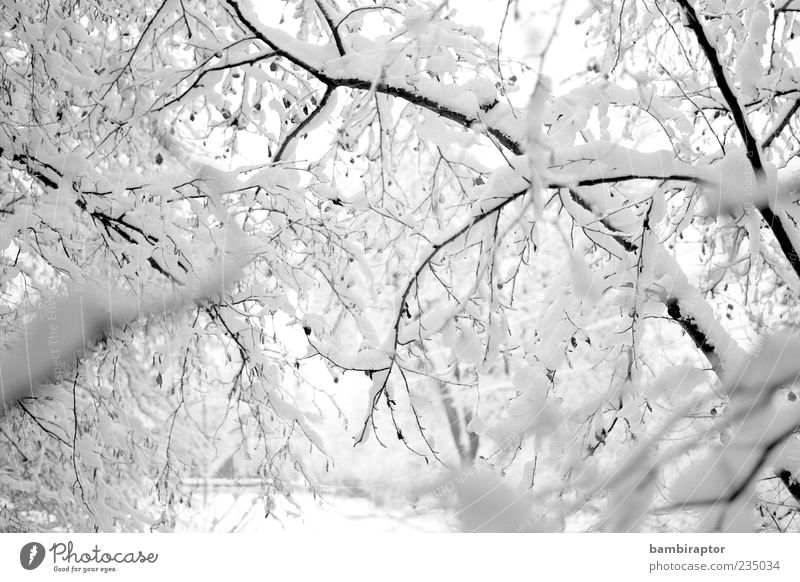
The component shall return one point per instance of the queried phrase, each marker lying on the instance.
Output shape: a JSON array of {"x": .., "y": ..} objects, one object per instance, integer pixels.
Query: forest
[{"x": 524, "y": 266}]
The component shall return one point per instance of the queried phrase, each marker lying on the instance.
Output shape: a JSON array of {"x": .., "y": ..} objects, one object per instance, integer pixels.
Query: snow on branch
[
  {"x": 752, "y": 148},
  {"x": 51, "y": 345}
]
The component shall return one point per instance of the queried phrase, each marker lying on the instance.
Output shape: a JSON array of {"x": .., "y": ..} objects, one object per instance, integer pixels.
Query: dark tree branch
[
  {"x": 751, "y": 145},
  {"x": 381, "y": 86},
  {"x": 776, "y": 224},
  {"x": 297, "y": 131},
  {"x": 41, "y": 426},
  {"x": 791, "y": 483},
  {"x": 363, "y": 9},
  {"x": 747, "y": 480},
  {"x": 337, "y": 38},
  {"x": 414, "y": 279},
  {"x": 781, "y": 125},
  {"x": 194, "y": 84},
  {"x": 698, "y": 337},
  {"x": 135, "y": 49}
]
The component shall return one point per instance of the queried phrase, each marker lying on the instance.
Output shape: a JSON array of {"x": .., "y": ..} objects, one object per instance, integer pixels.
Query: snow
[
  {"x": 669, "y": 276},
  {"x": 730, "y": 184},
  {"x": 371, "y": 360},
  {"x": 468, "y": 346},
  {"x": 677, "y": 382},
  {"x": 748, "y": 61},
  {"x": 233, "y": 508},
  {"x": 603, "y": 158},
  {"x": 441, "y": 63},
  {"x": 370, "y": 260}
]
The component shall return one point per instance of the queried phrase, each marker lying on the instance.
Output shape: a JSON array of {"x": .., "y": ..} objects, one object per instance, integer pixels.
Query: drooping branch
[
  {"x": 413, "y": 281},
  {"x": 302, "y": 127},
  {"x": 222, "y": 67}
]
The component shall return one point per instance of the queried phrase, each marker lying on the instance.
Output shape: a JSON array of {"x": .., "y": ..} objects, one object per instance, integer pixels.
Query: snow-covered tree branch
[{"x": 532, "y": 272}]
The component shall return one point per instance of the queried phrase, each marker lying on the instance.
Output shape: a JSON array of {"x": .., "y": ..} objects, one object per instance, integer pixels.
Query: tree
[{"x": 505, "y": 258}]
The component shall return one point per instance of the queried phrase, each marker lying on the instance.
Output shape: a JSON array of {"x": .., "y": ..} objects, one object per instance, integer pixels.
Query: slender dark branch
[
  {"x": 263, "y": 38},
  {"x": 250, "y": 61},
  {"x": 505, "y": 140},
  {"x": 381, "y": 86},
  {"x": 136, "y": 47},
  {"x": 337, "y": 38},
  {"x": 477, "y": 219},
  {"x": 303, "y": 124},
  {"x": 414, "y": 279},
  {"x": 776, "y": 224},
  {"x": 364, "y": 8},
  {"x": 629, "y": 177},
  {"x": 785, "y": 8},
  {"x": 781, "y": 125},
  {"x": 750, "y": 144},
  {"x": 614, "y": 232},
  {"x": 745, "y": 483},
  {"x": 116, "y": 225},
  {"x": 36, "y": 420}
]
